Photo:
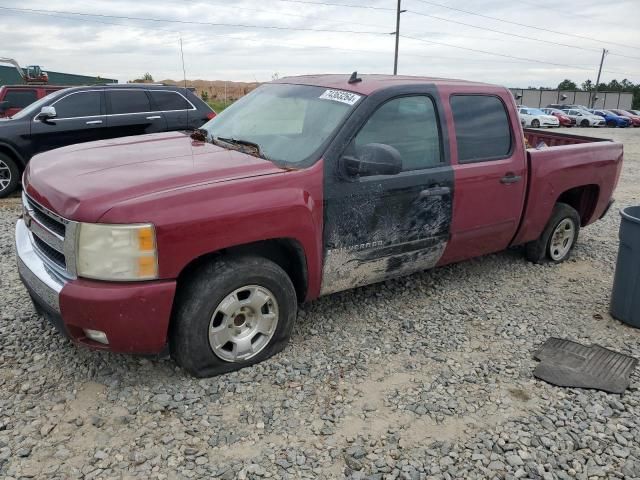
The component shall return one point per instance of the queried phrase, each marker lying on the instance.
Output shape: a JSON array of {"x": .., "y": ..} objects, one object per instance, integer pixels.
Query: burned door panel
[{"x": 387, "y": 226}]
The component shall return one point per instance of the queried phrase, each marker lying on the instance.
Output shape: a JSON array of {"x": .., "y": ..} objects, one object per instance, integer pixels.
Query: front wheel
[
  {"x": 230, "y": 314},
  {"x": 535, "y": 123},
  {"x": 612, "y": 124},
  {"x": 9, "y": 175},
  {"x": 584, "y": 123},
  {"x": 558, "y": 238}
]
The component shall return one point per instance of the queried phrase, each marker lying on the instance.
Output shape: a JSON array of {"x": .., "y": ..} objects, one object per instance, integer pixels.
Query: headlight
[{"x": 117, "y": 252}]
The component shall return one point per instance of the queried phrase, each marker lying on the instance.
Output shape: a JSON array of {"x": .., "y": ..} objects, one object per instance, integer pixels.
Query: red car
[
  {"x": 304, "y": 187},
  {"x": 623, "y": 113},
  {"x": 14, "y": 98},
  {"x": 565, "y": 121}
]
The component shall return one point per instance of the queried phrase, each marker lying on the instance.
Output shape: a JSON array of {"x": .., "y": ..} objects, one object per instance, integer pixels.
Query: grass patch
[{"x": 218, "y": 105}]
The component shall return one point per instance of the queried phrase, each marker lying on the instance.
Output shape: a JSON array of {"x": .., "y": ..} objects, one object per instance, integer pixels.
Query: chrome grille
[{"x": 48, "y": 233}]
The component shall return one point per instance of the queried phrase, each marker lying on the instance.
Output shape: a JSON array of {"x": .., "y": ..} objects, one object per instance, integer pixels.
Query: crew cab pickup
[{"x": 206, "y": 242}]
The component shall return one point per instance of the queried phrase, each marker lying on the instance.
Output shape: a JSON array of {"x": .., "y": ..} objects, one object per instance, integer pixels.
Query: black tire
[
  {"x": 539, "y": 251},
  {"x": 535, "y": 123},
  {"x": 584, "y": 123},
  {"x": 611, "y": 124},
  {"x": 8, "y": 171},
  {"x": 198, "y": 299}
]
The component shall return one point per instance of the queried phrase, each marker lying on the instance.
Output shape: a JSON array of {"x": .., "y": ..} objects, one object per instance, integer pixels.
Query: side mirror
[
  {"x": 4, "y": 106},
  {"x": 373, "y": 159},
  {"x": 47, "y": 113}
]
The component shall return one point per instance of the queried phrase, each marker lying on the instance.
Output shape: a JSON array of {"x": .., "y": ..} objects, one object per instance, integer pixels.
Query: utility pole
[
  {"x": 397, "y": 34},
  {"x": 592, "y": 100}
]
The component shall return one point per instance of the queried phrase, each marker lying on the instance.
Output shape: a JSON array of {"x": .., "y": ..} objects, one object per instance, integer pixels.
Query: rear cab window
[
  {"x": 482, "y": 127},
  {"x": 20, "y": 98}
]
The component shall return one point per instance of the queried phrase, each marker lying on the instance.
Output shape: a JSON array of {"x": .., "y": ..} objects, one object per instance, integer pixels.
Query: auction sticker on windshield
[{"x": 340, "y": 96}]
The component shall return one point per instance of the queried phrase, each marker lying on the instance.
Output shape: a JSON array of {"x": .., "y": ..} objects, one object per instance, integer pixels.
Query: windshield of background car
[
  {"x": 290, "y": 123},
  {"x": 33, "y": 109},
  {"x": 536, "y": 111}
]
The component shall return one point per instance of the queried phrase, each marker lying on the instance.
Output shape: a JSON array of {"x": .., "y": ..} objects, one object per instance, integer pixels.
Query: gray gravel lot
[{"x": 429, "y": 376}]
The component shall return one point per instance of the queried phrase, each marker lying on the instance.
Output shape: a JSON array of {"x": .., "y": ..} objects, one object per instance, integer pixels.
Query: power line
[
  {"x": 510, "y": 34},
  {"x": 427, "y": 2},
  {"x": 194, "y": 22},
  {"x": 531, "y": 60},
  {"x": 306, "y": 17},
  {"x": 83, "y": 15},
  {"x": 261, "y": 42},
  {"x": 328, "y": 4}
]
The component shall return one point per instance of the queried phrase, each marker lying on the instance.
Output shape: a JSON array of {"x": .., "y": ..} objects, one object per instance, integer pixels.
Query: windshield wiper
[{"x": 244, "y": 143}]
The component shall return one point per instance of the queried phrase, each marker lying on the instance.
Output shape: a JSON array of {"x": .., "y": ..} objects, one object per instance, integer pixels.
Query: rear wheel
[
  {"x": 9, "y": 175},
  {"x": 230, "y": 314},
  {"x": 558, "y": 238},
  {"x": 535, "y": 123}
]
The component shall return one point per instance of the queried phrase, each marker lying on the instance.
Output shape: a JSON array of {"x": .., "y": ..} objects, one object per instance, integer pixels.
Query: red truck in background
[
  {"x": 14, "y": 98},
  {"x": 306, "y": 186}
]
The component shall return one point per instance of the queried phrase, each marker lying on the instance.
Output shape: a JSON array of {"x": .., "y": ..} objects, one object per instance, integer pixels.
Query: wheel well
[
  {"x": 11, "y": 154},
  {"x": 583, "y": 199},
  {"x": 285, "y": 252}
]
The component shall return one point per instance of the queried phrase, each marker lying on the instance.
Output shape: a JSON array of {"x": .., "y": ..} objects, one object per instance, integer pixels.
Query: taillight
[{"x": 211, "y": 115}]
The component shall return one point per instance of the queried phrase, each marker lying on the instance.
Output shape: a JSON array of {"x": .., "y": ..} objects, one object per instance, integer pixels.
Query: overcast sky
[{"x": 124, "y": 49}]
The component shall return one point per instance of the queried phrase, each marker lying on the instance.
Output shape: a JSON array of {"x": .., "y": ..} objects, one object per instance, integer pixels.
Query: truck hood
[{"x": 82, "y": 182}]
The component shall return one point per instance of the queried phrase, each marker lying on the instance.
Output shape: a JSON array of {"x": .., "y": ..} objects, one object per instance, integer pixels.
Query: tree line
[{"x": 613, "y": 86}]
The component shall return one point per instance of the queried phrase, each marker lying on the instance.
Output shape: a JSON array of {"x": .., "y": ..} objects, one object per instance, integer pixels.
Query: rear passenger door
[
  {"x": 179, "y": 112},
  {"x": 490, "y": 175},
  {"x": 79, "y": 118},
  {"x": 384, "y": 226},
  {"x": 129, "y": 112}
]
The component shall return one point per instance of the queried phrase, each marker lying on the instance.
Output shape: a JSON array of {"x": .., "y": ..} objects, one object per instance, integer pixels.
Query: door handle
[
  {"x": 154, "y": 117},
  {"x": 510, "y": 178},
  {"x": 436, "y": 191},
  {"x": 94, "y": 122}
]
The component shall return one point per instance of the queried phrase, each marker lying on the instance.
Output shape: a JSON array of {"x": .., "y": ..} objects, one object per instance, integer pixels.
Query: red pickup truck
[
  {"x": 14, "y": 98},
  {"x": 206, "y": 242}
]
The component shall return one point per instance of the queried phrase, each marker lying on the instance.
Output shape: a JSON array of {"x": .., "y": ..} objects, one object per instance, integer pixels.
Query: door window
[
  {"x": 128, "y": 101},
  {"x": 20, "y": 98},
  {"x": 483, "y": 131},
  {"x": 168, "y": 101},
  {"x": 81, "y": 104},
  {"x": 410, "y": 125}
]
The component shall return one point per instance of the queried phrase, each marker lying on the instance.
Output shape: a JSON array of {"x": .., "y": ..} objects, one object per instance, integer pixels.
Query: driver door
[
  {"x": 79, "y": 118},
  {"x": 383, "y": 226}
]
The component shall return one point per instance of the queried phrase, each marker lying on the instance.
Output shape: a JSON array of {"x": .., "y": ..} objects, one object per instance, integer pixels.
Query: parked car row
[
  {"x": 577, "y": 115},
  {"x": 613, "y": 117},
  {"x": 84, "y": 114}
]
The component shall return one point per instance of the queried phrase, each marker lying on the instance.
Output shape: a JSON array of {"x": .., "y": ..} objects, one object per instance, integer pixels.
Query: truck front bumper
[{"x": 134, "y": 317}]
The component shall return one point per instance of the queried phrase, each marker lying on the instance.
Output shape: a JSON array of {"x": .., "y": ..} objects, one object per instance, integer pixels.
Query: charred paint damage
[{"x": 385, "y": 231}]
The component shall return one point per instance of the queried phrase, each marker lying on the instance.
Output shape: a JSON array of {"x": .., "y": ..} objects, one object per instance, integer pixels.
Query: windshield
[
  {"x": 35, "y": 107},
  {"x": 536, "y": 111},
  {"x": 288, "y": 123}
]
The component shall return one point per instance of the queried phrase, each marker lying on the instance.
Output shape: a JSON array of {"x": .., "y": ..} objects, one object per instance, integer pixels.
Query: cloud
[{"x": 126, "y": 48}]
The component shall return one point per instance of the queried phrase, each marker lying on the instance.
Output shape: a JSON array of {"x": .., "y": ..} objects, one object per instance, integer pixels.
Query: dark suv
[{"x": 84, "y": 114}]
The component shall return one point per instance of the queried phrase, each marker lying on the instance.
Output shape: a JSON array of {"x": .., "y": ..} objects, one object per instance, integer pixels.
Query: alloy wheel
[{"x": 243, "y": 323}]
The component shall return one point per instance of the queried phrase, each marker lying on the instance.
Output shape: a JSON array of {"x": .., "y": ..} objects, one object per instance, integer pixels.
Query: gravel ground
[{"x": 429, "y": 376}]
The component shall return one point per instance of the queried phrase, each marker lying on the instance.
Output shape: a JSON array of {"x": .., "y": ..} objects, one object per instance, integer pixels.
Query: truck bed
[
  {"x": 568, "y": 165},
  {"x": 554, "y": 139}
]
